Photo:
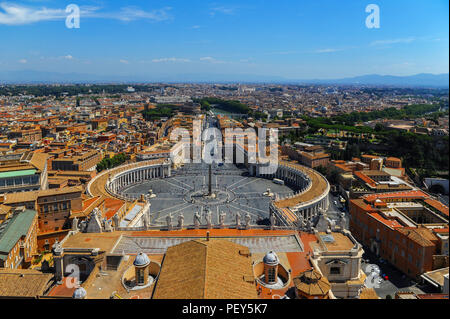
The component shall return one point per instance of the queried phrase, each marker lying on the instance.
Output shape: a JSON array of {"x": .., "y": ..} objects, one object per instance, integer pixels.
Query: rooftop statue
[
  {"x": 169, "y": 220},
  {"x": 247, "y": 220},
  {"x": 180, "y": 220},
  {"x": 197, "y": 219}
]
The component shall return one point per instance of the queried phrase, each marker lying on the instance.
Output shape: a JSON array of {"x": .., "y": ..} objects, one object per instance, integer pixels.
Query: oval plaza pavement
[{"x": 182, "y": 191}]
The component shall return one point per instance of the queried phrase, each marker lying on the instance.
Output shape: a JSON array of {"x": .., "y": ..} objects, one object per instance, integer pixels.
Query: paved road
[
  {"x": 334, "y": 211},
  {"x": 396, "y": 282}
]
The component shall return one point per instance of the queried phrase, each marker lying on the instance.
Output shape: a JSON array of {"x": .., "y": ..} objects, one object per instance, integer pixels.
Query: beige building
[
  {"x": 53, "y": 205},
  {"x": 338, "y": 256}
]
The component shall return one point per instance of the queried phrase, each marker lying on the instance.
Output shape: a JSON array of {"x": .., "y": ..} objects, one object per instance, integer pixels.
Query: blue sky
[{"x": 294, "y": 39}]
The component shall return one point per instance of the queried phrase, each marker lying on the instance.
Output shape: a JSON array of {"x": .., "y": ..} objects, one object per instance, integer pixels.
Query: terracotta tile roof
[
  {"x": 39, "y": 160},
  {"x": 23, "y": 283},
  {"x": 368, "y": 293},
  {"x": 416, "y": 194},
  {"x": 20, "y": 197},
  {"x": 388, "y": 222},
  {"x": 63, "y": 289},
  {"x": 438, "y": 205},
  {"x": 319, "y": 186},
  {"x": 441, "y": 230},
  {"x": 365, "y": 178},
  {"x": 201, "y": 269},
  {"x": 97, "y": 187},
  {"x": 421, "y": 236},
  {"x": 33, "y": 195},
  {"x": 312, "y": 283},
  {"x": 340, "y": 242},
  {"x": 4, "y": 209}
]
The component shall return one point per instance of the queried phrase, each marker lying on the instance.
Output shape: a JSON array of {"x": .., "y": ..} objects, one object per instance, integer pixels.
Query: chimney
[{"x": 207, "y": 236}]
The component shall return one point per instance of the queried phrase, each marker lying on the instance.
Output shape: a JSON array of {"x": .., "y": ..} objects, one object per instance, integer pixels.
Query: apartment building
[
  {"x": 18, "y": 241},
  {"x": 402, "y": 228}
]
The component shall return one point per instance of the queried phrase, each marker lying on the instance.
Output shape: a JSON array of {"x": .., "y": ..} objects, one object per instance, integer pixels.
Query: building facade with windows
[
  {"x": 18, "y": 241},
  {"x": 20, "y": 172},
  {"x": 401, "y": 228}
]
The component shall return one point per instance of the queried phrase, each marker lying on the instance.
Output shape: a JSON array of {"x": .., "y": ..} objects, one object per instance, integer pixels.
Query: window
[
  {"x": 335, "y": 271},
  {"x": 141, "y": 276},
  {"x": 271, "y": 274}
]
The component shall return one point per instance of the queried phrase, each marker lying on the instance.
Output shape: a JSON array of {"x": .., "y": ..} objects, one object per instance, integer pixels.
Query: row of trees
[
  {"x": 227, "y": 105},
  {"x": 75, "y": 89},
  {"x": 161, "y": 110},
  {"x": 347, "y": 122},
  {"x": 108, "y": 162},
  {"x": 427, "y": 153},
  {"x": 230, "y": 106},
  {"x": 408, "y": 111}
]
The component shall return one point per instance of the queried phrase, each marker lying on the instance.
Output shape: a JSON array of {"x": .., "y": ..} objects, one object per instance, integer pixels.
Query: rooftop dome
[
  {"x": 79, "y": 293},
  {"x": 271, "y": 259},
  {"x": 141, "y": 260}
]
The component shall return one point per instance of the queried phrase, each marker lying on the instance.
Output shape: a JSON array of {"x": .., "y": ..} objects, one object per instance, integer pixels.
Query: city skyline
[{"x": 295, "y": 40}]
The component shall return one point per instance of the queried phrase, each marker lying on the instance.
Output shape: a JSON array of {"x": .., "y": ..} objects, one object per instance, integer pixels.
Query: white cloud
[
  {"x": 328, "y": 50},
  {"x": 162, "y": 60},
  {"x": 15, "y": 14},
  {"x": 392, "y": 41},
  {"x": 195, "y": 27},
  {"x": 283, "y": 52},
  {"x": 134, "y": 13},
  {"x": 68, "y": 57},
  {"x": 23, "y": 61},
  {"x": 211, "y": 60},
  {"x": 223, "y": 10},
  {"x": 124, "y": 61}
]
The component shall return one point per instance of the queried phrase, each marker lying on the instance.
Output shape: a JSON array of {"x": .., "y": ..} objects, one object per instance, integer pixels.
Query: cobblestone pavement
[{"x": 183, "y": 193}]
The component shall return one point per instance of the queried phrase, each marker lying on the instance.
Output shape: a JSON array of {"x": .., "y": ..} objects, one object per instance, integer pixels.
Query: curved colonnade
[
  {"x": 304, "y": 205},
  {"x": 111, "y": 182},
  {"x": 292, "y": 211}
]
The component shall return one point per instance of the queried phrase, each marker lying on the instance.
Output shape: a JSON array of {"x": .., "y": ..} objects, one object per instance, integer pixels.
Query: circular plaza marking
[{"x": 186, "y": 192}]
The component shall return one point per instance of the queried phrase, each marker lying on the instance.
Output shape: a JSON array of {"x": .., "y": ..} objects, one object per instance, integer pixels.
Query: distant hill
[
  {"x": 34, "y": 77},
  {"x": 422, "y": 80}
]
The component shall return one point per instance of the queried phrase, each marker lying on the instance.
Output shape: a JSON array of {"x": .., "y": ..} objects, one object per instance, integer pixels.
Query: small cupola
[
  {"x": 79, "y": 293},
  {"x": 141, "y": 264}
]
